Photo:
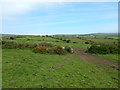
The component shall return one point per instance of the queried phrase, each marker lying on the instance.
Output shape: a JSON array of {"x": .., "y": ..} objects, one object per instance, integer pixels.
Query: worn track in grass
[{"x": 93, "y": 59}]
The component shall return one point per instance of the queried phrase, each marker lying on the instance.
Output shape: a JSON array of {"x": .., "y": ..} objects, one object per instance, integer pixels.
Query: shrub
[
  {"x": 113, "y": 49},
  {"x": 86, "y": 42},
  {"x": 51, "y": 50},
  {"x": 3, "y": 42},
  {"x": 9, "y": 44},
  {"x": 40, "y": 49},
  {"x": 69, "y": 49},
  {"x": 64, "y": 40},
  {"x": 103, "y": 49},
  {"x": 56, "y": 41},
  {"x": 12, "y": 38},
  {"x": 59, "y": 50},
  {"x": 67, "y": 41},
  {"x": 74, "y": 42},
  {"x": 28, "y": 39}
]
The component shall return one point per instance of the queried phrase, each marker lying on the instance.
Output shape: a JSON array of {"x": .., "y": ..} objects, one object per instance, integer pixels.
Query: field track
[{"x": 93, "y": 59}]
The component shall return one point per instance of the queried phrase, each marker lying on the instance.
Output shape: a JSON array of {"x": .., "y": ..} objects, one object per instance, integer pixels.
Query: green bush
[
  {"x": 67, "y": 41},
  {"x": 75, "y": 42},
  {"x": 11, "y": 45},
  {"x": 86, "y": 42},
  {"x": 103, "y": 49},
  {"x": 12, "y": 38}
]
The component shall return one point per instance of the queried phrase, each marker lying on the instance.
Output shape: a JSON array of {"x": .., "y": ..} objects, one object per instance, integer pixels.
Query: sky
[{"x": 50, "y": 18}]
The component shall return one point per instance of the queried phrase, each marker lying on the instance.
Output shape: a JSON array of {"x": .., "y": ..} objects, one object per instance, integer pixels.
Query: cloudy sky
[{"x": 59, "y": 17}]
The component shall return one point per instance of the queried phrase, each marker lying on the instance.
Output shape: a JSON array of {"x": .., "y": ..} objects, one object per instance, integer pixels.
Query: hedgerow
[{"x": 42, "y": 47}]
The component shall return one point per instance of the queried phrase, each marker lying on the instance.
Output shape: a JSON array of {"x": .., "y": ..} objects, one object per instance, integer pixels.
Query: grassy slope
[{"x": 23, "y": 68}]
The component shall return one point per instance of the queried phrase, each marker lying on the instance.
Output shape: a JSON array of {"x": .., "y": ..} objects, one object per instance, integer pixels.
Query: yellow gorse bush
[{"x": 41, "y": 49}]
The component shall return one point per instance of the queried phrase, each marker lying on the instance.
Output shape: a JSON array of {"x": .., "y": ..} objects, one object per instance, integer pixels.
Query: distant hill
[
  {"x": 6, "y": 35},
  {"x": 91, "y": 34},
  {"x": 103, "y": 34}
]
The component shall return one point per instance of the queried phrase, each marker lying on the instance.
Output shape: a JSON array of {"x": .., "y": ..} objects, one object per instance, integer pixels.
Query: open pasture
[{"x": 23, "y": 68}]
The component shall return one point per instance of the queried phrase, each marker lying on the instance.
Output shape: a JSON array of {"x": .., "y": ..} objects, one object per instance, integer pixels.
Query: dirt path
[{"x": 87, "y": 57}]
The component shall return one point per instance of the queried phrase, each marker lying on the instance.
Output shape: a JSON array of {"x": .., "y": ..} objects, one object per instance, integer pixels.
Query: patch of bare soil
[
  {"x": 93, "y": 58},
  {"x": 87, "y": 57}
]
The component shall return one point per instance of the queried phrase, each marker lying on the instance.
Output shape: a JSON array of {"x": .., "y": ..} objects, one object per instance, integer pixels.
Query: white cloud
[{"x": 13, "y": 7}]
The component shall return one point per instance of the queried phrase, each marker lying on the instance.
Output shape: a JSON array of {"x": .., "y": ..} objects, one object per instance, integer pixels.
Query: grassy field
[
  {"x": 23, "y": 68},
  {"x": 23, "y": 71}
]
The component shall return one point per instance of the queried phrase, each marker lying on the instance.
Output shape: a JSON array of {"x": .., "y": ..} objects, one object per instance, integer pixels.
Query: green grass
[
  {"x": 111, "y": 57},
  {"x": 114, "y": 37},
  {"x": 105, "y": 41},
  {"x": 80, "y": 45},
  {"x": 74, "y": 45},
  {"x": 24, "y": 69}
]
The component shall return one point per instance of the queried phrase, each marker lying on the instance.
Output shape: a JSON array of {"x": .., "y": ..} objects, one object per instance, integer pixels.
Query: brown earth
[{"x": 93, "y": 59}]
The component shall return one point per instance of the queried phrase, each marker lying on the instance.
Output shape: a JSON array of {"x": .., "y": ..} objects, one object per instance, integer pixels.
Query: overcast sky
[{"x": 59, "y": 17}]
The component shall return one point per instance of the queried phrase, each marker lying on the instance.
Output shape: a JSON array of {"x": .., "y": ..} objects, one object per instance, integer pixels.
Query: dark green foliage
[
  {"x": 103, "y": 49},
  {"x": 74, "y": 42},
  {"x": 67, "y": 41},
  {"x": 12, "y": 38},
  {"x": 56, "y": 41},
  {"x": 28, "y": 39},
  {"x": 64, "y": 40},
  {"x": 86, "y": 42}
]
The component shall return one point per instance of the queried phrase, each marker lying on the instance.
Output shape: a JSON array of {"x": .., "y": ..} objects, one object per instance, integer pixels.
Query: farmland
[{"x": 23, "y": 68}]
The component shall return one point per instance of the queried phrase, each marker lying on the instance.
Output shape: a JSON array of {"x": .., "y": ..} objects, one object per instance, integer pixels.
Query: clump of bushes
[
  {"x": 103, "y": 49},
  {"x": 40, "y": 49},
  {"x": 74, "y": 42},
  {"x": 52, "y": 49},
  {"x": 12, "y": 38},
  {"x": 86, "y": 42},
  {"x": 67, "y": 41},
  {"x": 69, "y": 49},
  {"x": 11, "y": 45},
  {"x": 43, "y": 47},
  {"x": 58, "y": 50}
]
